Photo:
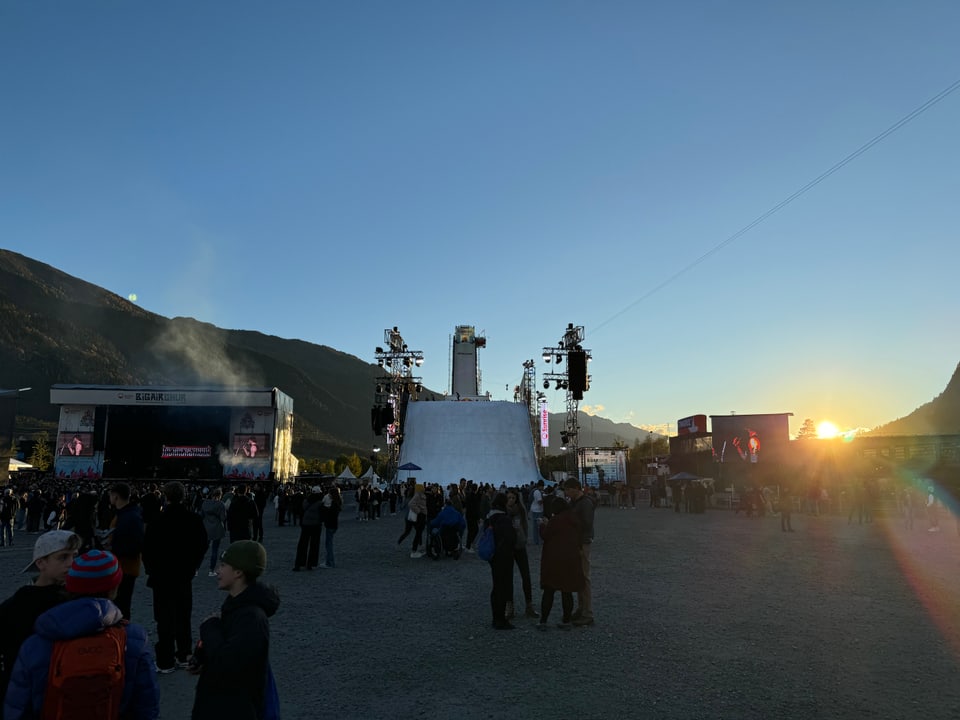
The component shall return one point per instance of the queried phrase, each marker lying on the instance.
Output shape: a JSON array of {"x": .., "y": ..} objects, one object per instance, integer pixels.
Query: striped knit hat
[{"x": 94, "y": 573}]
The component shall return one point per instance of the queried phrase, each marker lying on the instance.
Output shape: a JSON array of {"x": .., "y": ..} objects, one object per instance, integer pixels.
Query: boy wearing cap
[
  {"x": 234, "y": 663},
  {"x": 92, "y": 582},
  {"x": 52, "y": 555}
]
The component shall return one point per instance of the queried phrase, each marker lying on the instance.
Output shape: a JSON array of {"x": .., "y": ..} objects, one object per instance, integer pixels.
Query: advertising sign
[
  {"x": 692, "y": 425},
  {"x": 544, "y": 425}
]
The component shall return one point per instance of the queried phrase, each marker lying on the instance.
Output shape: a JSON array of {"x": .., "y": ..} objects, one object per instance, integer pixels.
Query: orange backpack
[{"x": 86, "y": 677}]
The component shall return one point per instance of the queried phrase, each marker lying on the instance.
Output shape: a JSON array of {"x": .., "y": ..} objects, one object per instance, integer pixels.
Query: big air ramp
[{"x": 487, "y": 442}]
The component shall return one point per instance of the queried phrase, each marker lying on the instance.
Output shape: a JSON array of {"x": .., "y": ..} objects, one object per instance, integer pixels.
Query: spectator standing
[
  {"x": 8, "y": 511},
  {"x": 560, "y": 567},
  {"x": 786, "y": 508},
  {"x": 53, "y": 553},
  {"x": 233, "y": 661},
  {"x": 173, "y": 550},
  {"x": 501, "y": 564},
  {"x": 34, "y": 512},
  {"x": 471, "y": 507},
  {"x": 332, "y": 505},
  {"x": 311, "y": 526},
  {"x": 126, "y": 543},
  {"x": 214, "y": 514},
  {"x": 583, "y": 507},
  {"x": 82, "y": 518},
  {"x": 21, "y": 516},
  {"x": 518, "y": 516},
  {"x": 536, "y": 510},
  {"x": 416, "y": 519},
  {"x": 241, "y": 515},
  {"x": 260, "y": 496},
  {"x": 933, "y": 516}
]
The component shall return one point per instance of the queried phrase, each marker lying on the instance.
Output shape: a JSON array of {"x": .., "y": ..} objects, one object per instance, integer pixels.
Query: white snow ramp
[{"x": 487, "y": 442}]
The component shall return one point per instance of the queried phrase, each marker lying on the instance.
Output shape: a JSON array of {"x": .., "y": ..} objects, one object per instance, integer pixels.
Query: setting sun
[{"x": 826, "y": 430}]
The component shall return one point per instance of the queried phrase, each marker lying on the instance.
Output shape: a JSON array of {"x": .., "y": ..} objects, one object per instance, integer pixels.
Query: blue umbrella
[{"x": 408, "y": 467}]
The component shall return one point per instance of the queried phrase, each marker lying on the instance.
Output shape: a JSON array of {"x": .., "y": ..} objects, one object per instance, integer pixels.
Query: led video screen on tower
[{"x": 750, "y": 439}]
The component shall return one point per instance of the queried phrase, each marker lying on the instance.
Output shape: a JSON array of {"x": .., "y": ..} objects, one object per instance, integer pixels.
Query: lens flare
[{"x": 827, "y": 430}]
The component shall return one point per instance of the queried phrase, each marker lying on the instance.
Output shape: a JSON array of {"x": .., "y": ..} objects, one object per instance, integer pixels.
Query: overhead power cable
[{"x": 789, "y": 199}]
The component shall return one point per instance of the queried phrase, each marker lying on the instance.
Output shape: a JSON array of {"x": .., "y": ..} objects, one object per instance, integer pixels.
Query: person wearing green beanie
[{"x": 232, "y": 657}]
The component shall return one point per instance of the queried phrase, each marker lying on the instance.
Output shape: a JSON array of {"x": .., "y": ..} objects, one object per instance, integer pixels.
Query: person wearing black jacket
[
  {"x": 241, "y": 515},
  {"x": 311, "y": 527},
  {"x": 232, "y": 659},
  {"x": 125, "y": 541},
  {"x": 471, "y": 506},
  {"x": 501, "y": 564},
  {"x": 173, "y": 549},
  {"x": 53, "y": 554}
]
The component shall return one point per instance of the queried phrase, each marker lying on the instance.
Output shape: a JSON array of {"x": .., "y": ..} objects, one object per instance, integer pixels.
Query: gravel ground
[{"x": 698, "y": 616}]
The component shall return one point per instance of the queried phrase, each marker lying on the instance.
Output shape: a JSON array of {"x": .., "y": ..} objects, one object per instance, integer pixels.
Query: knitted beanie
[
  {"x": 248, "y": 556},
  {"x": 94, "y": 573}
]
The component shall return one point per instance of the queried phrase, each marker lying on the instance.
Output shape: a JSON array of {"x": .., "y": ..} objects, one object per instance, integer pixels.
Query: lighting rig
[
  {"x": 575, "y": 381},
  {"x": 393, "y": 390},
  {"x": 526, "y": 392}
]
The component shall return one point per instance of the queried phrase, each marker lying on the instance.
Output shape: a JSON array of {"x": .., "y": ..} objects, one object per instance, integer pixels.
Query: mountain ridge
[{"x": 59, "y": 329}]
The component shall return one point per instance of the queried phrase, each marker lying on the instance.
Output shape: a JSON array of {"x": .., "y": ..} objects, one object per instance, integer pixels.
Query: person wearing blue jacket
[
  {"x": 92, "y": 581},
  {"x": 449, "y": 517},
  {"x": 449, "y": 525}
]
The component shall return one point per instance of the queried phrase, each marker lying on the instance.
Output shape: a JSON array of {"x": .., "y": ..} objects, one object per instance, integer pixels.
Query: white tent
[
  {"x": 18, "y": 465},
  {"x": 370, "y": 475},
  {"x": 346, "y": 475}
]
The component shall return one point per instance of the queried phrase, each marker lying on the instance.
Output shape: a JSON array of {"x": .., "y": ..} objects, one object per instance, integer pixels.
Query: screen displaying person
[
  {"x": 73, "y": 446},
  {"x": 250, "y": 447}
]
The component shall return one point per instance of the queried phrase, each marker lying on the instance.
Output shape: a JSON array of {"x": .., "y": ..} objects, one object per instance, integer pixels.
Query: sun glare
[{"x": 826, "y": 430}]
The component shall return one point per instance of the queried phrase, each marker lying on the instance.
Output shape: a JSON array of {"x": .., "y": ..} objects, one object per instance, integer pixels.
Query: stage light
[
  {"x": 419, "y": 361},
  {"x": 379, "y": 349},
  {"x": 559, "y": 359},
  {"x": 546, "y": 357},
  {"x": 546, "y": 384},
  {"x": 379, "y": 388}
]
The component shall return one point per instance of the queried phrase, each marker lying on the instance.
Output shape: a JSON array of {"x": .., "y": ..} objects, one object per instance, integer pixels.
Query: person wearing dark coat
[
  {"x": 233, "y": 658},
  {"x": 311, "y": 527},
  {"x": 53, "y": 555},
  {"x": 173, "y": 550},
  {"x": 560, "y": 566},
  {"x": 332, "y": 505},
  {"x": 471, "y": 506},
  {"x": 82, "y": 518},
  {"x": 126, "y": 542},
  {"x": 241, "y": 516},
  {"x": 501, "y": 564}
]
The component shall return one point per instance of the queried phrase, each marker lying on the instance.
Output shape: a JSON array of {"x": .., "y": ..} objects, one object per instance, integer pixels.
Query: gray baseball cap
[{"x": 51, "y": 542}]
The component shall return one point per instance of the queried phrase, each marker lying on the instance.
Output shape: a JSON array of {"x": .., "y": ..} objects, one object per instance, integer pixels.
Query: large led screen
[{"x": 750, "y": 439}]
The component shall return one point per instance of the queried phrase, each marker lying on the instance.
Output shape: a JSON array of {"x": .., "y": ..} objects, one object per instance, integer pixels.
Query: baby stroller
[{"x": 444, "y": 541}]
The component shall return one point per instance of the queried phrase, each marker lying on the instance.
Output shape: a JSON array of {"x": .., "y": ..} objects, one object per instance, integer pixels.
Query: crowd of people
[
  {"x": 94, "y": 543},
  {"x": 67, "y": 639},
  {"x": 558, "y": 519}
]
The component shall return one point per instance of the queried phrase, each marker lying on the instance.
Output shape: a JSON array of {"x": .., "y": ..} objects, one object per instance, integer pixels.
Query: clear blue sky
[{"x": 324, "y": 171}]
